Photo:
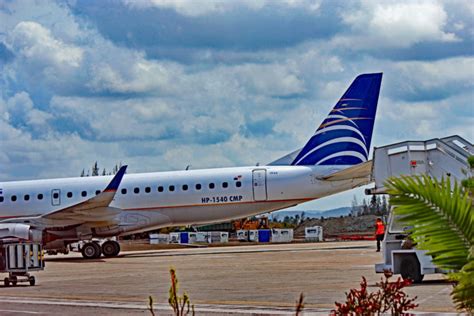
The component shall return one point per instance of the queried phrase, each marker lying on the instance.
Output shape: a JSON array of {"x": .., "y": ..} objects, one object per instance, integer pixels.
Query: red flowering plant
[{"x": 389, "y": 298}]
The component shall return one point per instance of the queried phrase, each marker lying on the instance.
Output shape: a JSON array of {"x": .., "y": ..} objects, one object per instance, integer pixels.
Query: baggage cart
[{"x": 18, "y": 259}]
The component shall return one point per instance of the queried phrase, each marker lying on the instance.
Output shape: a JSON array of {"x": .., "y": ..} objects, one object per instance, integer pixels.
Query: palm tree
[{"x": 443, "y": 223}]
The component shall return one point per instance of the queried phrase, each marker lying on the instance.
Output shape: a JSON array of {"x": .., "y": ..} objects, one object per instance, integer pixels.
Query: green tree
[
  {"x": 443, "y": 223},
  {"x": 355, "y": 207},
  {"x": 95, "y": 169},
  {"x": 378, "y": 206},
  {"x": 384, "y": 205},
  {"x": 296, "y": 219},
  {"x": 373, "y": 205},
  {"x": 365, "y": 207},
  {"x": 468, "y": 183}
]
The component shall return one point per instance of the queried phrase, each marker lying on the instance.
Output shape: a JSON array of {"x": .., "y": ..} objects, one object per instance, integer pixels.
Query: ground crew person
[{"x": 379, "y": 232}]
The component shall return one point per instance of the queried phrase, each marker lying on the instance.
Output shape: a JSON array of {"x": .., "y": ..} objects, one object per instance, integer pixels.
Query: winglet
[{"x": 114, "y": 184}]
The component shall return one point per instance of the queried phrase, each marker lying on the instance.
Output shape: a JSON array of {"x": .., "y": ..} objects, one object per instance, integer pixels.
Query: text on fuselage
[{"x": 221, "y": 199}]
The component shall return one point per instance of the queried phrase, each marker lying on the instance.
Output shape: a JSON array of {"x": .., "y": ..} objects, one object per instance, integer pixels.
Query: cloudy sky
[{"x": 161, "y": 84}]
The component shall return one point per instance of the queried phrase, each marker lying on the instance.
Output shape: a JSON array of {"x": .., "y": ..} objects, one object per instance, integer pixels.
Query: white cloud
[
  {"x": 395, "y": 24},
  {"x": 36, "y": 44},
  {"x": 198, "y": 8},
  {"x": 72, "y": 96},
  {"x": 21, "y": 108},
  {"x": 52, "y": 15}
]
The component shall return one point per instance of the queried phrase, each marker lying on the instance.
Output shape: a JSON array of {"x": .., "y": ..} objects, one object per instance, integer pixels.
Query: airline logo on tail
[{"x": 344, "y": 137}]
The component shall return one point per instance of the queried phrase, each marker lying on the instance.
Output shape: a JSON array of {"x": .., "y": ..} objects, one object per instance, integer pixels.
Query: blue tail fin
[{"x": 343, "y": 138}]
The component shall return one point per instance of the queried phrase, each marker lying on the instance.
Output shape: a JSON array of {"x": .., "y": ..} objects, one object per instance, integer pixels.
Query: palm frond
[
  {"x": 463, "y": 293},
  {"x": 440, "y": 214}
]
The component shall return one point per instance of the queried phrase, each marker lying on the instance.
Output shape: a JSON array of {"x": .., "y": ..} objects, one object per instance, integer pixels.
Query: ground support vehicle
[
  {"x": 437, "y": 158},
  {"x": 401, "y": 256},
  {"x": 18, "y": 259}
]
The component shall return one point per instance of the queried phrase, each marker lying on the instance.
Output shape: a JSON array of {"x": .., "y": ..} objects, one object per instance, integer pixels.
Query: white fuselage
[{"x": 152, "y": 200}]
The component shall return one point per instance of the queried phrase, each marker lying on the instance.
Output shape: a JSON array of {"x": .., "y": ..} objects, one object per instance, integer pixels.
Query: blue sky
[{"x": 162, "y": 84}]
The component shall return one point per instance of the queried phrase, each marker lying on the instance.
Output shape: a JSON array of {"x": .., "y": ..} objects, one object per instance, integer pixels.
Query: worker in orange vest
[{"x": 379, "y": 232}]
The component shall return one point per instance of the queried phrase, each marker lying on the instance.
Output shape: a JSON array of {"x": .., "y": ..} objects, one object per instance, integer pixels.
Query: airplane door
[
  {"x": 259, "y": 184},
  {"x": 56, "y": 197}
]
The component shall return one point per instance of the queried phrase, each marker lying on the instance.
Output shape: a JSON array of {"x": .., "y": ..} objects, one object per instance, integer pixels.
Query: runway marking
[
  {"x": 203, "y": 308},
  {"x": 19, "y": 312}
]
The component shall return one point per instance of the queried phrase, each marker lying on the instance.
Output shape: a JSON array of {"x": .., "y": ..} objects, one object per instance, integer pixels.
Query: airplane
[{"x": 58, "y": 212}]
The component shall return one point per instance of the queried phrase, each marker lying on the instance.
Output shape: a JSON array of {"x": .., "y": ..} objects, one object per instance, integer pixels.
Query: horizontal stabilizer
[{"x": 363, "y": 170}]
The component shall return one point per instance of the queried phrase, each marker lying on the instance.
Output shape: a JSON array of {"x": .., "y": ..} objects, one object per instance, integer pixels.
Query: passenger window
[
  {"x": 136, "y": 190},
  {"x": 56, "y": 195},
  {"x": 238, "y": 184},
  {"x": 160, "y": 189},
  {"x": 13, "y": 198},
  {"x": 198, "y": 186},
  {"x": 212, "y": 185},
  {"x": 27, "y": 197},
  {"x": 185, "y": 187},
  {"x": 124, "y": 191},
  {"x": 40, "y": 196},
  {"x": 171, "y": 188},
  {"x": 225, "y": 185},
  {"x": 147, "y": 189},
  {"x": 1, "y": 199},
  {"x": 83, "y": 193},
  {"x": 69, "y": 194},
  {"x": 97, "y": 192}
]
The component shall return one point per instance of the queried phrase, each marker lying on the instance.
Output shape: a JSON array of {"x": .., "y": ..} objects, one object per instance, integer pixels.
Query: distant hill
[{"x": 337, "y": 212}]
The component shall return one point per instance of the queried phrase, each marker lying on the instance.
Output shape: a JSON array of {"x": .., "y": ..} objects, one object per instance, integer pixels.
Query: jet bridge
[{"x": 438, "y": 157}]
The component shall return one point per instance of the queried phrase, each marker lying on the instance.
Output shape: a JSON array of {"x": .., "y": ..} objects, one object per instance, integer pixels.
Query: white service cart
[
  {"x": 18, "y": 259},
  {"x": 401, "y": 256}
]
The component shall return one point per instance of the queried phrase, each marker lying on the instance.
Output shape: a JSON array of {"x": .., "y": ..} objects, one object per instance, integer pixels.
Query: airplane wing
[
  {"x": 363, "y": 170},
  {"x": 95, "y": 209}
]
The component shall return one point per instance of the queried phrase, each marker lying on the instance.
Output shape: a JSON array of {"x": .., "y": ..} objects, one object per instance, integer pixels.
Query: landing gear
[
  {"x": 110, "y": 248},
  {"x": 91, "y": 250}
]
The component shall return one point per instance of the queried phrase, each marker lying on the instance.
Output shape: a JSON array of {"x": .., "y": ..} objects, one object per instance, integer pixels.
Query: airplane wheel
[
  {"x": 14, "y": 280},
  {"x": 32, "y": 280},
  {"x": 90, "y": 250},
  {"x": 98, "y": 250},
  {"x": 110, "y": 248}
]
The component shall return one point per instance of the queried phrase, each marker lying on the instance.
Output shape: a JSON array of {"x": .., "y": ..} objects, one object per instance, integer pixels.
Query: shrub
[{"x": 390, "y": 298}]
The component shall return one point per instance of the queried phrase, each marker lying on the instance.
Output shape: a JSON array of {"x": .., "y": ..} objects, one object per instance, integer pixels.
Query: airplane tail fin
[{"x": 344, "y": 137}]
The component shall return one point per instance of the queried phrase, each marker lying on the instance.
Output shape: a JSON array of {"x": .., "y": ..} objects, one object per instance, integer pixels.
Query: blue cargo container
[
  {"x": 264, "y": 235},
  {"x": 184, "y": 238}
]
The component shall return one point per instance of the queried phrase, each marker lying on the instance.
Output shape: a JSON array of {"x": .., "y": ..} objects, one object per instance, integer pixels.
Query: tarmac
[{"x": 242, "y": 280}]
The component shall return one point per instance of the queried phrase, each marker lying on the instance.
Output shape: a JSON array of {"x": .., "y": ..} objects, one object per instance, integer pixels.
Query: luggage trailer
[{"x": 18, "y": 259}]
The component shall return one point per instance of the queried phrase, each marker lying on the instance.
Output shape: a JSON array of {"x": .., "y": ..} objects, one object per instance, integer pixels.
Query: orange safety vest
[{"x": 380, "y": 228}]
